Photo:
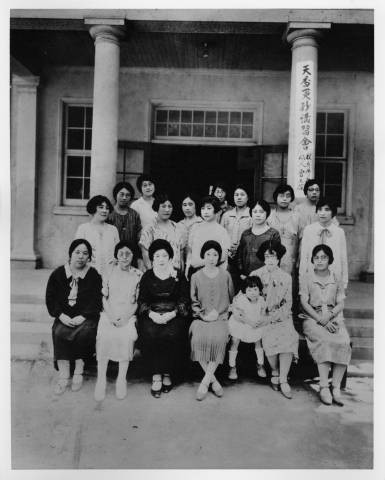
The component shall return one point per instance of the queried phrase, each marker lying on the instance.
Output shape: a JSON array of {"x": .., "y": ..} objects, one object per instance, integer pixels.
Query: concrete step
[{"x": 360, "y": 327}]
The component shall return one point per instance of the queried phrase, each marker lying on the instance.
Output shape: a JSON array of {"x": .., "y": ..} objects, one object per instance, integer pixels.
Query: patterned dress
[
  {"x": 288, "y": 231},
  {"x": 128, "y": 226}
]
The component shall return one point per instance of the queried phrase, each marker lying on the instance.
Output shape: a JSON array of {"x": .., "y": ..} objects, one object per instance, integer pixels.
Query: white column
[
  {"x": 303, "y": 107},
  {"x": 105, "y": 108},
  {"x": 24, "y": 188}
]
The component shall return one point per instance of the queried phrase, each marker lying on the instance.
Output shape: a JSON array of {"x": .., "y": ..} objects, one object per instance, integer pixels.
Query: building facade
[{"x": 192, "y": 97}]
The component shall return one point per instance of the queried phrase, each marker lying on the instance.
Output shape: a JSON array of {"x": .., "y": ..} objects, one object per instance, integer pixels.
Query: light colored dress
[
  {"x": 288, "y": 231},
  {"x": 201, "y": 233},
  {"x": 209, "y": 339},
  {"x": 117, "y": 342},
  {"x": 279, "y": 335},
  {"x": 307, "y": 215},
  {"x": 185, "y": 226},
  {"x": 172, "y": 233},
  {"x": 254, "y": 314},
  {"x": 334, "y": 237},
  {"x": 235, "y": 224},
  {"x": 103, "y": 243},
  {"x": 146, "y": 213},
  {"x": 325, "y": 293}
]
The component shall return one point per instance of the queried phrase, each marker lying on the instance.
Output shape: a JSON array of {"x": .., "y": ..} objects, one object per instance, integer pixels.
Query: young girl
[
  {"x": 279, "y": 339},
  {"x": 322, "y": 297},
  {"x": 116, "y": 331},
  {"x": 246, "y": 323},
  {"x": 252, "y": 238},
  {"x": 211, "y": 294}
]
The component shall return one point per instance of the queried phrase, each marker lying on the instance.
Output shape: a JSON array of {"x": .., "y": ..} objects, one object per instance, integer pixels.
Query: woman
[
  {"x": 328, "y": 233},
  {"x": 209, "y": 229},
  {"x": 102, "y": 236},
  {"x": 123, "y": 217},
  {"x": 236, "y": 221},
  {"x": 146, "y": 186},
  {"x": 322, "y": 298},
  {"x": 116, "y": 331},
  {"x": 220, "y": 191},
  {"x": 189, "y": 208},
  {"x": 74, "y": 300},
  {"x": 279, "y": 338},
  {"x": 162, "y": 227},
  {"x": 163, "y": 311},
  {"x": 285, "y": 221},
  {"x": 252, "y": 238}
]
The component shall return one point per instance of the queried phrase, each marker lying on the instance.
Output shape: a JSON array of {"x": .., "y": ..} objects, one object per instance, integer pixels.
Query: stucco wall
[{"x": 139, "y": 87}]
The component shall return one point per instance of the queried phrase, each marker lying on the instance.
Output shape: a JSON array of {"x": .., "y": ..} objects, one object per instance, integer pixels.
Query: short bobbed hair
[
  {"x": 80, "y": 241},
  {"x": 309, "y": 183},
  {"x": 251, "y": 282},
  {"x": 143, "y": 178},
  {"x": 212, "y": 200},
  {"x": 96, "y": 201},
  {"x": 123, "y": 244},
  {"x": 324, "y": 202},
  {"x": 159, "y": 199},
  {"x": 160, "y": 244},
  {"x": 211, "y": 244},
  {"x": 323, "y": 248},
  {"x": 193, "y": 196},
  {"x": 271, "y": 246},
  {"x": 283, "y": 189},
  {"x": 220, "y": 185},
  {"x": 262, "y": 203},
  {"x": 119, "y": 186},
  {"x": 240, "y": 186}
]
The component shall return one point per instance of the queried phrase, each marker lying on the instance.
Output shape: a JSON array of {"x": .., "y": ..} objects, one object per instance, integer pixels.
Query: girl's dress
[
  {"x": 325, "y": 293},
  {"x": 103, "y": 243},
  {"x": 80, "y": 295},
  {"x": 279, "y": 335},
  {"x": 246, "y": 257},
  {"x": 288, "y": 231},
  {"x": 117, "y": 342},
  {"x": 209, "y": 338},
  {"x": 163, "y": 345},
  {"x": 144, "y": 209},
  {"x": 334, "y": 237},
  {"x": 254, "y": 314}
]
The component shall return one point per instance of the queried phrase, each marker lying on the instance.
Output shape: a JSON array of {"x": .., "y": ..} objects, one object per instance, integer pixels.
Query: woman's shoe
[
  {"x": 286, "y": 390},
  {"x": 336, "y": 394},
  {"x": 166, "y": 384},
  {"x": 261, "y": 370},
  {"x": 156, "y": 388},
  {"x": 77, "y": 382},
  {"x": 202, "y": 391},
  {"x": 325, "y": 395},
  {"x": 274, "y": 382},
  {"x": 61, "y": 386},
  {"x": 217, "y": 388},
  {"x": 233, "y": 374}
]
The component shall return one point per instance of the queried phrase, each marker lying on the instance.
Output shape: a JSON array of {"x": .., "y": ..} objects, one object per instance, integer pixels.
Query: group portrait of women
[{"x": 138, "y": 279}]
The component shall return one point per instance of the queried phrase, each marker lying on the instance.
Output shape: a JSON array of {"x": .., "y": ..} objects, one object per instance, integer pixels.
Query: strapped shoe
[
  {"x": 274, "y": 382},
  {"x": 61, "y": 386},
  {"x": 202, "y": 391},
  {"x": 286, "y": 390},
  {"x": 336, "y": 394},
  {"x": 325, "y": 395},
  {"x": 217, "y": 388},
  {"x": 233, "y": 374}
]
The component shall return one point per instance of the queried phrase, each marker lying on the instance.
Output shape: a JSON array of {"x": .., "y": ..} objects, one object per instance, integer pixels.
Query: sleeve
[
  {"x": 137, "y": 226},
  {"x": 239, "y": 254},
  {"x": 92, "y": 304},
  {"x": 182, "y": 231},
  {"x": 340, "y": 294},
  {"x": 230, "y": 286},
  {"x": 144, "y": 297},
  {"x": 52, "y": 299},
  {"x": 344, "y": 260},
  {"x": 226, "y": 243},
  {"x": 224, "y": 221},
  {"x": 115, "y": 235},
  {"x": 195, "y": 303},
  {"x": 147, "y": 237},
  {"x": 288, "y": 296},
  {"x": 304, "y": 290},
  {"x": 183, "y": 300},
  {"x": 276, "y": 236}
]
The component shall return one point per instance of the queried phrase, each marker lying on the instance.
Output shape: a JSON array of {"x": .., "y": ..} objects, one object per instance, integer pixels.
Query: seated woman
[
  {"x": 74, "y": 300},
  {"x": 279, "y": 339},
  {"x": 101, "y": 236},
  {"x": 163, "y": 311},
  {"x": 322, "y": 298},
  {"x": 117, "y": 332}
]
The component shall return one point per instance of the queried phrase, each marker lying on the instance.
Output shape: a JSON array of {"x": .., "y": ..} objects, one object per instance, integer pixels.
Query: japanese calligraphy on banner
[{"x": 304, "y": 123}]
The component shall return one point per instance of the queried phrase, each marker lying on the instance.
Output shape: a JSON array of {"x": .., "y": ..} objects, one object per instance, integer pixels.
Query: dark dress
[
  {"x": 163, "y": 345},
  {"x": 72, "y": 343},
  {"x": 129, "y": 228}
]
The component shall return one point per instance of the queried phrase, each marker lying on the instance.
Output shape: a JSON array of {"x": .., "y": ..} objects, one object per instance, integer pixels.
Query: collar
[
  {"x": 81, "y": 274},
  {"x": 329, "y": 280}
]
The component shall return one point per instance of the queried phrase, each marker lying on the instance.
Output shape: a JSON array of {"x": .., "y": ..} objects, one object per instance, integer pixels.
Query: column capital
[
  {"x": 104, "y": 32},
  {"x": 305, "y": 33},
  {"x": 30, "y": 82}
]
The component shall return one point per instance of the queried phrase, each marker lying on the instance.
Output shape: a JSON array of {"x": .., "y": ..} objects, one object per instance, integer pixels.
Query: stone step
[{"x": 360, "y": 327}]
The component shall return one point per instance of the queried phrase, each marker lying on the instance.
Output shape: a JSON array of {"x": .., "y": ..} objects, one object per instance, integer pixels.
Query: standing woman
[
  {"x": 163, "y": 310},
  {"x": 322, "y": 298},
  {"x": 74, "y": 300},
  {"x": 220, "y": 191},
  {"x": 165, "y": 228},
  {"x": 102, "y": 236},
  {"x": 252, "y": 238},
  {"x": 279, "y": 338},
  {"x": 146, "y": 186},
  {"x": 285, "y": 221},
  {"x": 189, "y": 208},
  {"x": 236, "y": 221}
]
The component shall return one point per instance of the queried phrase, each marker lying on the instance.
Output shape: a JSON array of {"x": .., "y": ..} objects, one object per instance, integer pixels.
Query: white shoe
[
  {"x": 121, "y": 389},
  {"x": 61, "y": 386},
  {"x": 233, "y": 373},
  {"x": 100, "y": 390}
]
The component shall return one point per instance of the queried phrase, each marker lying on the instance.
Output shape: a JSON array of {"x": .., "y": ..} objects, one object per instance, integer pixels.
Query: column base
[
  {"x": 26, "y": 262},
  {"x": 367, "y": 276}
]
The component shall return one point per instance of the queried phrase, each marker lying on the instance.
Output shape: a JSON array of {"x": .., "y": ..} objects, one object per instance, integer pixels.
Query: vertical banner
[{"x": 304, "y": 123}]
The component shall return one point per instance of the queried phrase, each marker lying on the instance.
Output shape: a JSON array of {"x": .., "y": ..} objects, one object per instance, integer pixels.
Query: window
[
  {"x": 77, "y": 154},
  {"x": 225, "y": 125},
  {"x": 331, "y": 156}
]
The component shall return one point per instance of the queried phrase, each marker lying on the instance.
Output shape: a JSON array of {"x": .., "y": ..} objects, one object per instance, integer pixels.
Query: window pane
[
  {"x": 222, "y": 131},
  {"x": 321, "y": 122},
  {"x": 198, "y": 116},
  {"x": 89, "y": 117},
  {"x": 268, "y": 190},
  {"x": 333, "y": 173},
  {"x": 186, "y": 116},
  {"x": 174, "y": 116},
  {"x": 211, "y": 117},
  {"x": 75, "y": 139},
  {"x": 198, "y": 130},
  {"x": 173, "y": 129},
  {"x": 334, "y": 145},
  {"x": 86, "y": 188},
  {"x": 185, "y": 130},
  {"x": 235, "y": 117},
  {"x": 319, "y": 171},
  {"x": 74, "y": 188},
  {"x": 247, "y": 118},
  {"x": 210, "y": 130},
  {"x": 247, "y": 132},
  {"x": 74, "y": 166},
  {"x": 88, "y": 142},
  {"x": 76, "y": 116},
  {"x": 161, "y": 129},
  {"x": 335, "y": 123},
  {"x": 87, "y": 166},
  {"x": 272, "y": 165},
  {"x": 320, "y": 146},
  {"x": 334, "y": 192},
  {"x": 223, "y": 117},
  {"x": 161, "y": 116},
  {"x": 235, "y": 131}
]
